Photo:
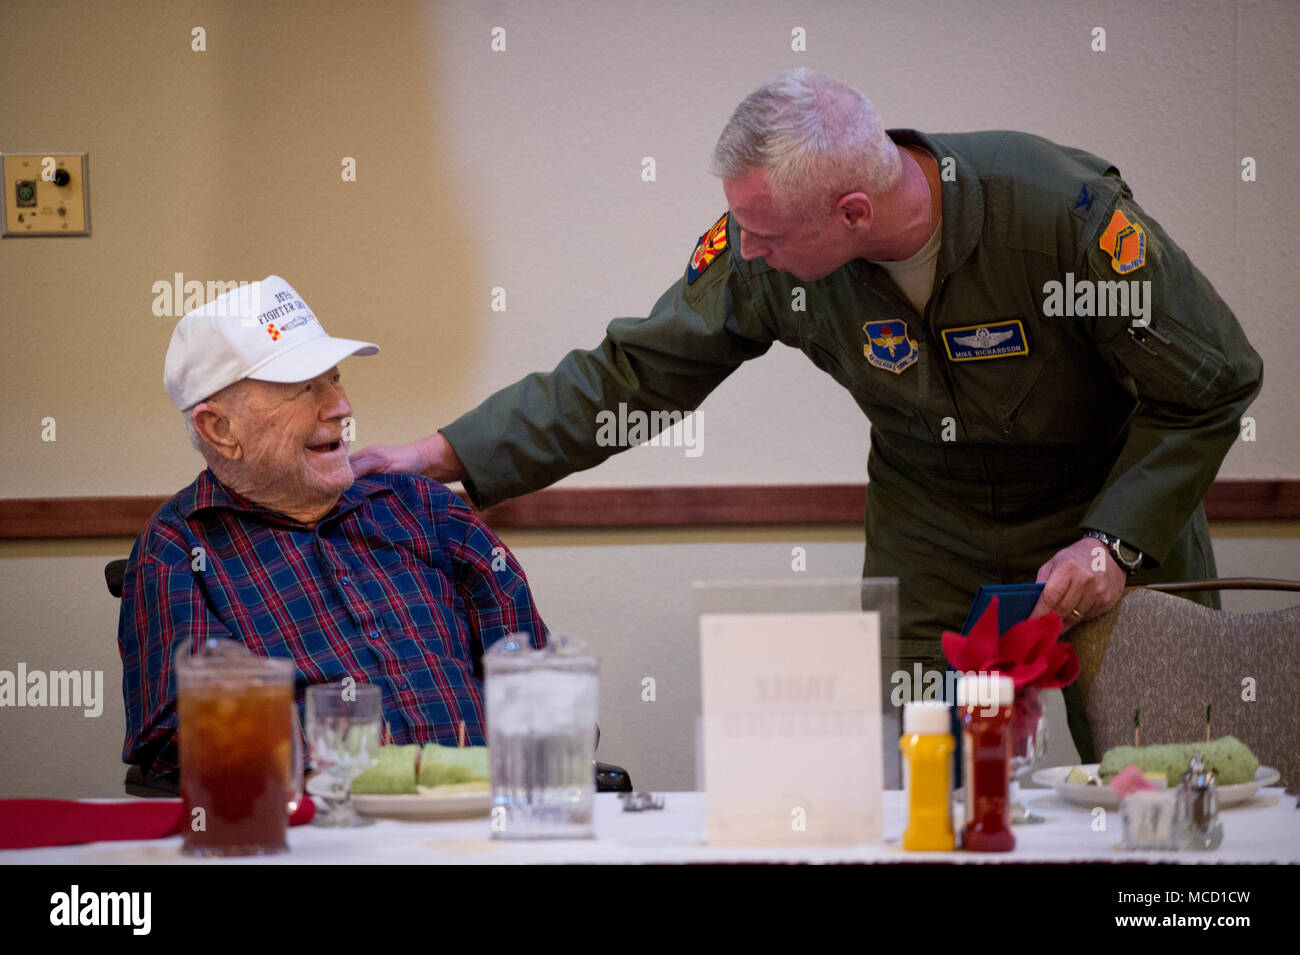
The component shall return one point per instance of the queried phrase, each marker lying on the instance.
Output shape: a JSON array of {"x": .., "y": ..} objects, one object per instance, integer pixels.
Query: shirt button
[
  {"x": 374, "y": 634},
  {"x": 347, "y": 580},
  {"x": 401, "y": 684}
]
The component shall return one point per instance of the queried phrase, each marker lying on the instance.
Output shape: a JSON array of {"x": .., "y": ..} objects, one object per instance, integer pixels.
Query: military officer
[{"x": 1051, "y": 383}]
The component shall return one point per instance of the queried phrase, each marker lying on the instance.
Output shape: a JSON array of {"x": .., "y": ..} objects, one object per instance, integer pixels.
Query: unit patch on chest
[
  {"x": 995, "y": 340},
  {"x": 888, "y": 346}
]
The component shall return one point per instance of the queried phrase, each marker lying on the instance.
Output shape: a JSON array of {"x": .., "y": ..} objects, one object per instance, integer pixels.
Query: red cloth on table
[{"x": 32, "y": 823}]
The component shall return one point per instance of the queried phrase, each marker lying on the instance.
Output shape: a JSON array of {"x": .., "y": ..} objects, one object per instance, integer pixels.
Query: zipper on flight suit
[{"x": 1139, "y": 339}]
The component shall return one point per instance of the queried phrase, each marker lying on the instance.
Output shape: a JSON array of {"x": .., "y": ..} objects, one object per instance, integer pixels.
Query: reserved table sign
[{"x": 792, "y": 728}]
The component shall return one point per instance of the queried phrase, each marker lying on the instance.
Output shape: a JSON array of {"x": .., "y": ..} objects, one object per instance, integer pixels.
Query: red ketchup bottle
[{"x": 984, "y": 706}]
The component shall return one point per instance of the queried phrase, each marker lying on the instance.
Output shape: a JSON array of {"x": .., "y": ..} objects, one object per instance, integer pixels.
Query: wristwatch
[{"x": 1126, "y": 555}]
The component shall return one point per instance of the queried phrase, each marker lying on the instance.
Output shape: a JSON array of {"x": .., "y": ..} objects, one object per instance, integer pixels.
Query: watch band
[{"x": 1130, "y": 561}]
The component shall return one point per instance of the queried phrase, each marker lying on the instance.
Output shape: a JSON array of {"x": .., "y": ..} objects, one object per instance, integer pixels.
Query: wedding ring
[{"x": 1077, "y": 614}]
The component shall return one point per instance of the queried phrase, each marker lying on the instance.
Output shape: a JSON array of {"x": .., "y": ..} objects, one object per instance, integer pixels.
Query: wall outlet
[{"x": 45, "y": 194}]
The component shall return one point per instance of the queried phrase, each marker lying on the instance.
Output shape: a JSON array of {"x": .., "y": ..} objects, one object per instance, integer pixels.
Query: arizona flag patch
[
  {"x": 1125, "y": 242},
  {"x": 711, "y": 245}
]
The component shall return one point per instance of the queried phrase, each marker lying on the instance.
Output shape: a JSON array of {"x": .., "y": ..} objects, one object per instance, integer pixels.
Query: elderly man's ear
[{"x": 214, "y": 427}]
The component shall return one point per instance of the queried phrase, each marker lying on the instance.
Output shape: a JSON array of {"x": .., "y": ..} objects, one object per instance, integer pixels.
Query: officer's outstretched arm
[{"x": 547, "y": 425}]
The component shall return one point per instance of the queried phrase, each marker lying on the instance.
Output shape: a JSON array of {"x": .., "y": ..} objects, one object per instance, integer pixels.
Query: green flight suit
[{"x": 985, "y": 460}]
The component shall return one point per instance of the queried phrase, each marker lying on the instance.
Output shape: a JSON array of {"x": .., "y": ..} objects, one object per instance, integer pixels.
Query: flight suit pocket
[
  {"x": 998, "y": 388},
  {"x": 1169, "y": 365},
  {"x": 868, "y": 385},
  {"x": 1017, "y": 394}
]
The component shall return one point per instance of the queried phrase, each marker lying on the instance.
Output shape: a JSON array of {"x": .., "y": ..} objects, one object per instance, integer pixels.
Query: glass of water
[
  {"x": 541, "y": 713},
  {"x": 343, "y": 721}
]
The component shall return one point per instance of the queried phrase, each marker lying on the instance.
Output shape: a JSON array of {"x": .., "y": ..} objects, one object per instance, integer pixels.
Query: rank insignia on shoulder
[
  {"x": 1125, "y": 242},
  {"x": 1084, "y": 200},
  {"x": 711, "y": 245},
  {"x": 888, "y": 346},
  {"x": 996, "y": 340}
]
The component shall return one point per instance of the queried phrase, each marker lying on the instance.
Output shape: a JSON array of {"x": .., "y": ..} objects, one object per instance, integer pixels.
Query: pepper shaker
[{"x": 1197, "y": 813}]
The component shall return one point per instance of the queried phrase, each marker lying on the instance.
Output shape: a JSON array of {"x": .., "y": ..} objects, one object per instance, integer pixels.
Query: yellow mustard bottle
[{"x": 927, "y": 746}]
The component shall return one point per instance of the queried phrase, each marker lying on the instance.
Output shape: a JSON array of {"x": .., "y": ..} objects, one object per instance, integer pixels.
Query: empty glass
[
  {"x": 343, "y": 721},
  {"x": 1028, "y": 747}
]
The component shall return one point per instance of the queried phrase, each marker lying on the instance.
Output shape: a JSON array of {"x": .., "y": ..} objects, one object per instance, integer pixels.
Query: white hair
[
  {"x": 195, "y": 440},
  {"x": 815, "y": 138},
  {"x": 235, "y": 393}
]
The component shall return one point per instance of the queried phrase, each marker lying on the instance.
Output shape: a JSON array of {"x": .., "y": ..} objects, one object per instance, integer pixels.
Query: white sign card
[{"x": 792, "y": 728}]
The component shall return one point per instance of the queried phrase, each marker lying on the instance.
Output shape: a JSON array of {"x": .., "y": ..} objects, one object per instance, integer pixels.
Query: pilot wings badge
[{"x": 888, "y": 346}]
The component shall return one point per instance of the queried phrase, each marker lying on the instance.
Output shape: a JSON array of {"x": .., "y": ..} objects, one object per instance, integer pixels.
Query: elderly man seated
[{"x": 390, "y": 580}]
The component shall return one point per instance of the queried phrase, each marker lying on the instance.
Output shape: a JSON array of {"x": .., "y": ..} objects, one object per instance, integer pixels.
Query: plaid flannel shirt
[{"x": 399, "y": 585}]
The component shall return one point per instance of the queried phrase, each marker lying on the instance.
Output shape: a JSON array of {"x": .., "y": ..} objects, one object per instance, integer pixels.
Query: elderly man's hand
[
  {"x": 1081, "y": 582},
  {"x": 433, "y": 457}
]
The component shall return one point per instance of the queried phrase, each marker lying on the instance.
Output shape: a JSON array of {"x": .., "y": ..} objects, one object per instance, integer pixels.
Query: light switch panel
[{"x": 45, "y": 194}]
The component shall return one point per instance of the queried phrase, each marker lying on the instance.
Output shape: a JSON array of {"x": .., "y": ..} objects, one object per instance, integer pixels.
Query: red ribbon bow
[{"x": 1028, "y": 653}]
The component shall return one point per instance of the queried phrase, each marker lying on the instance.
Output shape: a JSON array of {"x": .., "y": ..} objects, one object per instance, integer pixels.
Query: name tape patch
[{"x": 976, "y": 342}]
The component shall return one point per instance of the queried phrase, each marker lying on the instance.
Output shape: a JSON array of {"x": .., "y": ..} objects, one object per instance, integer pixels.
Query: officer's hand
[
  {"x": 433, "y": 457},
  {"x": 1080, "y": 582}
]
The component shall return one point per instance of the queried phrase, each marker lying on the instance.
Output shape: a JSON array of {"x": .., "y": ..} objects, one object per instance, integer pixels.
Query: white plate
[
  {"x": 1107, "y": 798},
  {"x": 450, "y": 806}
]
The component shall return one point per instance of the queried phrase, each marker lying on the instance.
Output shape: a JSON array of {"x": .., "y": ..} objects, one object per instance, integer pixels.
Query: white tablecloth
[{"x": 1264, "y": 830}]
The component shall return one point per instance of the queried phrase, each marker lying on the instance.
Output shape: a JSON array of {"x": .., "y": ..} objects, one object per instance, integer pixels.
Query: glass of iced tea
[{"x": 237, "y": 742}]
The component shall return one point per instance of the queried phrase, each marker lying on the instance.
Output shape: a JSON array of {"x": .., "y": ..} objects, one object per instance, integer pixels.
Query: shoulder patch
[
  {"x": 1125, "y": 242},
  {"x": 709, "y": 247}
]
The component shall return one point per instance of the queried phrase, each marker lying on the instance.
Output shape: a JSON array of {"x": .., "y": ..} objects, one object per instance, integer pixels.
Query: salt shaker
[{"x": 1197, "y": 813}]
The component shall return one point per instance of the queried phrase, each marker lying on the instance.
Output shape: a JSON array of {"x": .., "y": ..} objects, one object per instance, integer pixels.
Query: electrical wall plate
[{"x": 45, "y": 194}]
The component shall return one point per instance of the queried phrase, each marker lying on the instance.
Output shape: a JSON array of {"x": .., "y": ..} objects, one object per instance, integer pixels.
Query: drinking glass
[
  {"x": 541, "y": 712},
  {"x": 1028, "y": 746},
  {"x": 240, "y": 777},
  {"x": 343, "y": 721}
]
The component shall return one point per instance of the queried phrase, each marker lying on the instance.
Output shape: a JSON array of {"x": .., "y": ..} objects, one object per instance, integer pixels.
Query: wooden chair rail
[{"x": 686, "y": 506}]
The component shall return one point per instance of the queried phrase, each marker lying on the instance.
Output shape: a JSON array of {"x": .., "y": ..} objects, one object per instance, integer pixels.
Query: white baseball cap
[{"x": 261, "y": 330}]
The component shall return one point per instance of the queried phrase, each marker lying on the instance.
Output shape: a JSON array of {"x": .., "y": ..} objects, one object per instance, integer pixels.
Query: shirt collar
[{"x": 208, "y": 493}]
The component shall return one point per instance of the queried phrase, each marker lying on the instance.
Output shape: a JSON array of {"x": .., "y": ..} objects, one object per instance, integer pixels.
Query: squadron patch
[
  {"x": 888, "y": 346},
  {"x": 976, "y": 342},
  {"x": 711, "y": 245},
  {"x": 1125, "y": 242}
]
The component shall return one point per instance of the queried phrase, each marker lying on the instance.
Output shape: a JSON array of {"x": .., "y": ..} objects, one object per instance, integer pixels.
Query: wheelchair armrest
[
  {"x": 140, "y": 783},
  {"x": 612, "y": 779}
]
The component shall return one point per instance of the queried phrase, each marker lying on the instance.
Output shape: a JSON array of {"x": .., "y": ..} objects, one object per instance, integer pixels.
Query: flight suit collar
[{"x": 963, "y": 201}]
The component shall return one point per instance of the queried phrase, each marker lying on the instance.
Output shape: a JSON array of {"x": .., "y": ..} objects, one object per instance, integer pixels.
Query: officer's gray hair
[{"x": 816, "y": 139}]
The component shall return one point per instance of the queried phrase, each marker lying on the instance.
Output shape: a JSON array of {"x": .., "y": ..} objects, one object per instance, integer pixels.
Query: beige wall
[{"x": 523, "y": 170}]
